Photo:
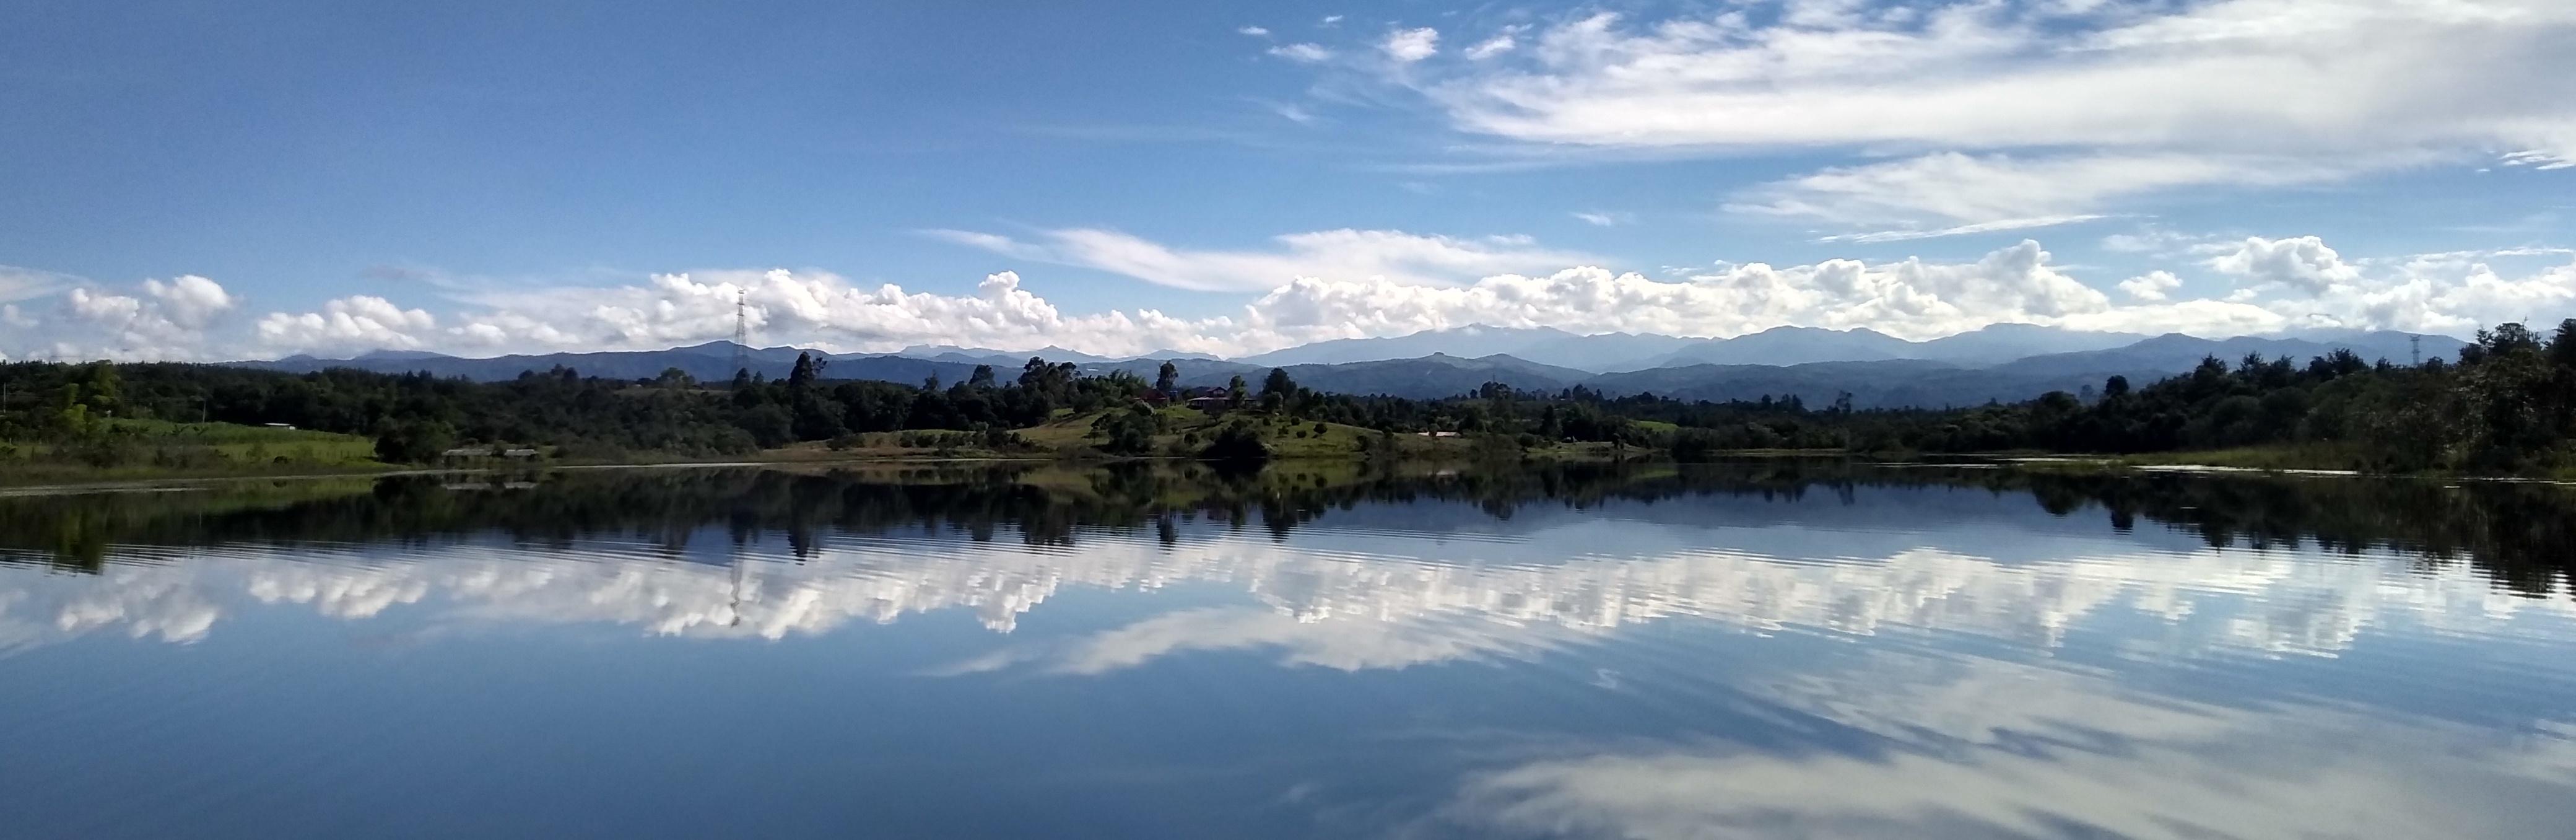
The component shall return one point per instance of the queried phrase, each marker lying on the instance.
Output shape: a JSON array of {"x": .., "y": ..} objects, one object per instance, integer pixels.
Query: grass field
[{"x": 157, "y": 448}]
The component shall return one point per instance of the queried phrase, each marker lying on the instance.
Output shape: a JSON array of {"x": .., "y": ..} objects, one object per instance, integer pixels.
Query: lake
[{"x": 1763, "y": 649}]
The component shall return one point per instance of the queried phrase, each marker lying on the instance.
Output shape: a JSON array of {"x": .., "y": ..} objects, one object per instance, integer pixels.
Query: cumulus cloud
[
  {"x": 161, "y": 320},
  {"x": 1332, "y": 285},
  {"x": 1332, "y": 254},
  {"x": 812, "y": 308},
  {"x": 361, "y": 322},
  {"x": 1254, "y": 31},
  {"x": 2153, "y": 285},
  {"x": 190, "y": 301},
  {"x": 2304, "y": 262},
  {"x": 1405, "y": 46}
]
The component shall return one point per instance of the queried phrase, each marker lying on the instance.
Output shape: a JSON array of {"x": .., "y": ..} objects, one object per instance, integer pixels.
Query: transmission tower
[
  {"x": 742, "y": 330},
  {"x": 2415, "y": 347}
]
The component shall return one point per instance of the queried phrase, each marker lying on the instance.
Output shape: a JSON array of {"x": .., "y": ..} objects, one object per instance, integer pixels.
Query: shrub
[{"x": 1237, "y": 442}]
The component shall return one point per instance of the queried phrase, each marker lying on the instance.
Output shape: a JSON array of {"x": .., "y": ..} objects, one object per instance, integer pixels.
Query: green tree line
[{"x": 2507, "y": 404}]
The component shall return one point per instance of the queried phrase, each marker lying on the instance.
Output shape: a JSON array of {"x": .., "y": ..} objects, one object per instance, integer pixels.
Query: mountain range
[{"x": 2005, "y": 362}]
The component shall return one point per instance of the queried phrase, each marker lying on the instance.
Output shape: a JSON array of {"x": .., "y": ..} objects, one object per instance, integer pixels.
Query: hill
[{"x": 1816, "y": 364}]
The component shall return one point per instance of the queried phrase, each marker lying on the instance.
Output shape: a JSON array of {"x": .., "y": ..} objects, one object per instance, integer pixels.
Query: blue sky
[{"x": 225, "y": 180}]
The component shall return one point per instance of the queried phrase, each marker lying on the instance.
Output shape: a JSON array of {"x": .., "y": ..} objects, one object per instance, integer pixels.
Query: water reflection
[
  {"x": 1773, "y": 649},
  {"x": 765, "y": 554}
]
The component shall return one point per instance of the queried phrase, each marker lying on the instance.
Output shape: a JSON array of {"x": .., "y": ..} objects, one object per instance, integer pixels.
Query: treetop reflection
[{"x": 2522, "y": 535}]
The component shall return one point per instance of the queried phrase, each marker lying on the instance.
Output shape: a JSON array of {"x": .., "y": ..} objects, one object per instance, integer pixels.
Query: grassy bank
[
  {"x": 145, "y": 450},
  {"x": 154, "y": 449}
]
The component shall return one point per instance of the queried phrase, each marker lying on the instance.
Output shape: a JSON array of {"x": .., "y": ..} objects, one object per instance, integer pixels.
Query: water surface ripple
[{"x": 1758, "y": 650}]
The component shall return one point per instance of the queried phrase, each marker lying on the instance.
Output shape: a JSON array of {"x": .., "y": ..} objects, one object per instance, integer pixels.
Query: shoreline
[{"x": 147, "y": 480}]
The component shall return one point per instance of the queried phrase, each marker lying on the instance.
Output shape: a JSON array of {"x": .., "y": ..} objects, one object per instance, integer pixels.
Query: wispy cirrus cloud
[
  {"x": 1982, "y": 193},
  {"x": 2001, "y": 111},
  {"x": 1345, "y": 254},
  {"x": 2246, "y": 75},
  {"x": 1305, "y": 52},
  {"x": 22, "y": 283}
]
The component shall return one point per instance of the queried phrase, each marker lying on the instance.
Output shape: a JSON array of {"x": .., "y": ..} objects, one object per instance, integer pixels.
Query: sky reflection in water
[{"x": 1731, "y": 654}]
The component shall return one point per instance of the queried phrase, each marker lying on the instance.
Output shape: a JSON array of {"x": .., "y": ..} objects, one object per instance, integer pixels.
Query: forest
[{"x": 2506, "y": 405}]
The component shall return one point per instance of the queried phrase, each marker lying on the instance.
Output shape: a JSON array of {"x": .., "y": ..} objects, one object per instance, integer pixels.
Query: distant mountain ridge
[
  {"x": 1817, "y": 365},
  {"x": 1615, "y": 352}
]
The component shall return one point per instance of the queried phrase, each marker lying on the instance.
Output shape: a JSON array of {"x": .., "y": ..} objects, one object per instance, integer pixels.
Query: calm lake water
[{"x": 1779, "y": 649}]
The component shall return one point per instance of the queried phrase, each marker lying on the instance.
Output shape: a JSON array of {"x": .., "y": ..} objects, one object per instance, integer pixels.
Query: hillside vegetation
[{"x": 2506, "y": 405}]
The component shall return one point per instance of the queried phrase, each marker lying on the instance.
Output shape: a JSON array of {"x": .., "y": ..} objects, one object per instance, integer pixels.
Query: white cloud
[
  {"x": 1406, "y": 46},
  {"x": 2000, "y": 192},
  {"x": 1982, "y": 747},
  {"x": 2037, "y": 110},
  {"x": 23, "y": 283},
  {"x": 190, "y": 301},
  {"x": 357, "y": 323},
  {"x": 1995, "y": 226},
  {"x": 1604, "y": 219},
  {"x": 2304, "y": 262},
  {"x": 1309, "y": 53},
  {"x": 2247, "y": 75},
  {"x": 1342, "y": 643},
  {"x": 809, "y": 308},
  {"x": 2148, "y": 239},
  {"x": 1330, "y": 285},
  {"x": 1911, "y": 297},
  {"x": 164, "y": 320},
  {"x": 2153, "y": 285},
  {"x": 1332, "y": 254},
  {"x": 2540, "y": 159},
  {"x": 1254, "y": 31}
]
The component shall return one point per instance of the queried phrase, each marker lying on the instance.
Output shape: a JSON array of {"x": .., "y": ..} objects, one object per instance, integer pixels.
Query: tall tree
[{"x": 802, "y": 376}]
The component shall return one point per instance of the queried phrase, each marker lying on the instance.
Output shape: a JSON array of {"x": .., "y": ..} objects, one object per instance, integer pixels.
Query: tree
[
  {"x": 1127, "y": 432},
  {"x": 1167, "y": 381},
  {"x": 412, "y": 441},
  {"x": 981, "y": 378},
  {"x": 802, "y": 376},
  {"x": 1278, "y": 383},
  {"x": 1235, "y": 391}
]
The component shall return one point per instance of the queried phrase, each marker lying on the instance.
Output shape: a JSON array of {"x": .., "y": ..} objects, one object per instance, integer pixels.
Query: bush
[
  {"x": 1238, "y": 442},
  {"x": 411, "y": 441},
  {"x": 1695, "y": 446},
  {"x": 1129, "y": 432}
]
